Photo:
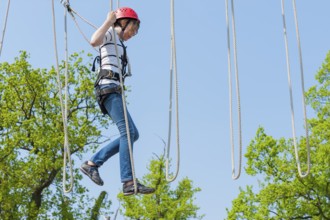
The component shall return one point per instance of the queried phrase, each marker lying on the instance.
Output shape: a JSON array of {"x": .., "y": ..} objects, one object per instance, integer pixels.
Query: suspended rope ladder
[
  {"x": 290, "y": 90},
  {"x": 64, "y": 107},
  {"x": 4, "y": 27},
  {"x": 234, "y": 176},
  {"x": 173, "y": 71}
]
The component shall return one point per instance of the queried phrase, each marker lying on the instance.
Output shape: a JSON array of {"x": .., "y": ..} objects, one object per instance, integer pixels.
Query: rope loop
[
  {"x": 173, "y": 71},
  {"x": 234, "y": 176},
  {"x": 301, "y": 174},
  {"x": 64, "y": 106}
]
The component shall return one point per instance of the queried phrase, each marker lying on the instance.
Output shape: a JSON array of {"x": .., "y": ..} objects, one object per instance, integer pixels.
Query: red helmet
[{"x": 126, "y": 12}]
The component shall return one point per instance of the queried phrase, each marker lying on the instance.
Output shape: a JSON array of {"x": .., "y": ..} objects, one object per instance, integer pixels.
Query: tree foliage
[
  {"x": 283, "y": 194},
  {"x": 165, "y": 203},
  {"x": 98, "y": 204},
  {"x": 31, "y": 139}
]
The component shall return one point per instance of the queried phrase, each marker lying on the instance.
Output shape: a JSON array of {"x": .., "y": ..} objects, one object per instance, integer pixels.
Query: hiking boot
[
  {"x": 92, "y": 172},
  {"x": 129, "y": 189}
]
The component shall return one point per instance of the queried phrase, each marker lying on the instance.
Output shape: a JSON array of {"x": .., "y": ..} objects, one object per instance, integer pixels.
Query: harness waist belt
[
  {"x": 109, "y": 74},
  {"x": 105, "y": 91}
]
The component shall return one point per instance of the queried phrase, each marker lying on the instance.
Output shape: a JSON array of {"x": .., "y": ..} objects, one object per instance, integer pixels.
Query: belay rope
[
  {"x": 173, "y": 69},
  {"x": 290, "y": 90},
  {"x": 234, "y": 176},
  {"x": 64, "y": 107},
  {"x": 124, "y": 107}
]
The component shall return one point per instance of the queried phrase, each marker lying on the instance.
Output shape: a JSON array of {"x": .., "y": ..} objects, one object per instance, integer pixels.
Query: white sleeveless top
[{"x": 108, "y": 55}]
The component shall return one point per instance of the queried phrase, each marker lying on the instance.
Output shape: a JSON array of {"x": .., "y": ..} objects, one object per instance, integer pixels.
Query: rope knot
[{"x": 66, "y": 4}]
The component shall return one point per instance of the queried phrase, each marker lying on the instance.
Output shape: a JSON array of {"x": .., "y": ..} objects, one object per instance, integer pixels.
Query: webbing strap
[
  {"x": 101, "y": 92},
  {"x": 124, "y": 57},
  {"x": 97, "y": 59},
  {"x": 107, "y": 74}
]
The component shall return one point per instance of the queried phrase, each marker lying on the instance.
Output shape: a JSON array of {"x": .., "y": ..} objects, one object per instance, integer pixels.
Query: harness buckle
[{"x": 110, "y": 74}]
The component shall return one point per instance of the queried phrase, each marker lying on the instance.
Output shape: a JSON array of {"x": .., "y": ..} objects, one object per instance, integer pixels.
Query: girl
[{"x": 108, "y": 91}]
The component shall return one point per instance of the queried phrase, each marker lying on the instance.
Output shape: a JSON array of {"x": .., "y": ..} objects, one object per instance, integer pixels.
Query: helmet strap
[{"x": 124, "y": 28}]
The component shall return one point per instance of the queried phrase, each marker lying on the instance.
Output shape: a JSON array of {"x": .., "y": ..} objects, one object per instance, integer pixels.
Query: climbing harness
[
  {"x": 290, "y": 90},
  {"x": 234, "y": 176},
  {"x": 100, "y": 94},
  {"x": 173, "y": 71},
  {"x": 4, "y": 27},
  {"x": 64, "y": 107}
]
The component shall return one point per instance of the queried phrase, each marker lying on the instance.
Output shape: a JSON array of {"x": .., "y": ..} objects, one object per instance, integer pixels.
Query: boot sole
[
  {"x": 128, "y": 194},
  {"x": 145, "y": 193}
]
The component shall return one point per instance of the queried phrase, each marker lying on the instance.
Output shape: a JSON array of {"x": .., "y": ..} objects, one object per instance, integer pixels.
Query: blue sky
[{"x": 203, "y": 82}]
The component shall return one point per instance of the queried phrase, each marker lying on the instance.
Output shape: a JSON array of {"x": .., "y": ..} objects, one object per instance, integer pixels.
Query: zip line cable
[
  {"x": 124, "y": 107},
  {"x": 290, "y": 90},
  {"x": 4, "y": 27},
  {"x": 234, "y": 176},
  {"x": 64, "y": 107},
  {"x": 173, "y": 69}
]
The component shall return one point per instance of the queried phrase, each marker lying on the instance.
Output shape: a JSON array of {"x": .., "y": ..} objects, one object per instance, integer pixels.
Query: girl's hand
[{"x": 111, "y": 18}]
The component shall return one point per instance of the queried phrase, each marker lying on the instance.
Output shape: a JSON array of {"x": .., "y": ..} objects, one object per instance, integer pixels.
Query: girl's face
[{"x": 130, "y": 31}]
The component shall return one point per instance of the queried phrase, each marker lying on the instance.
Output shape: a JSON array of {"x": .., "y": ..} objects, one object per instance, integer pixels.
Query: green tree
[
  {"x": 165, "y": 203},
  {"x": 31, "y": 139},
  {"x": 98, "y": 204},
  {"x": 283, "y": 194}
]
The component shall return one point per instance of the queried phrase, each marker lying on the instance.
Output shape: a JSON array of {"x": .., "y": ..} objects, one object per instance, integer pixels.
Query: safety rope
[
  {"x": 173, "y": 69},
  {"x": 234, "y": 176},
  {"x": 290, "y": 90},
  {"x": 82, "y": 18},
  {"x": 4, "y": 27},
  {"x": 124, "y": 107},
  {"x": 66, "y": 4},
  {"x": 111, "y": 4},
  {"x": 64, "y": 107}
]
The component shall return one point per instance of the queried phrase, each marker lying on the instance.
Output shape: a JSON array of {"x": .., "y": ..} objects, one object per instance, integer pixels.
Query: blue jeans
[{"x": 114, "y": 105}]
